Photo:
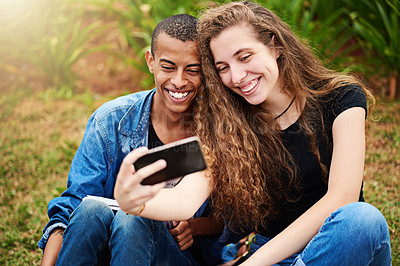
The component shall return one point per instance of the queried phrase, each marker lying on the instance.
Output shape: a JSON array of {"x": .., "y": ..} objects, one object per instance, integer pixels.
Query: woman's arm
[
  {"x": 172, "y": 204},
  {"x": 344, "y": 186}
]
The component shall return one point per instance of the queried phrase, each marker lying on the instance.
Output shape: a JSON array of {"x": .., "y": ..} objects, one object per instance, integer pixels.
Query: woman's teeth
[
  {"x": 250, "y": 86},
  {"x": 178, "y": 95}
]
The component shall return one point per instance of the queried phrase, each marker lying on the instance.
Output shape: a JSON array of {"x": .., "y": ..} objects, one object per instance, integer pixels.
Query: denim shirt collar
[{"x": 135, "y": 123}]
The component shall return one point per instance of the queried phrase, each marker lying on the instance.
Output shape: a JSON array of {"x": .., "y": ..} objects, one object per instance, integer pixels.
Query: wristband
[{"x": 140, "y": 210}]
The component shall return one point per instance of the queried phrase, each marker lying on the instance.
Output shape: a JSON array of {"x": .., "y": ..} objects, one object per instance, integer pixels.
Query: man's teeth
[
  {"x": 250, "y": 86},
  {"x": 178, "y": 95}
]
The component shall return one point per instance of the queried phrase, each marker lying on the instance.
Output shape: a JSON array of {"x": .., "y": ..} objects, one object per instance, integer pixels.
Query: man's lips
[{"x": 178, "y": 95}]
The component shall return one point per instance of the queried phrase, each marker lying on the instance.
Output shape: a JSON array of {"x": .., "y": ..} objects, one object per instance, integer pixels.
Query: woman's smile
[{"x": 249, "y": 88}]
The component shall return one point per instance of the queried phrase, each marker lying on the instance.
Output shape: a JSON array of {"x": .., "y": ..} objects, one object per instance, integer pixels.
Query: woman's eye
[
  {"x": 244, "y": 58},
  {"x": 222, "y": 68}
]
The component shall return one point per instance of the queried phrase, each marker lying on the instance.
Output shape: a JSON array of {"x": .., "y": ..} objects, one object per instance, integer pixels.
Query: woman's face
[{"x": 246, "y": 66}]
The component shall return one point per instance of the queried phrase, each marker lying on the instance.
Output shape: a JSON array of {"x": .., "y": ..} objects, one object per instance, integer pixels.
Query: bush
[
  {"x": 377, "y": 24},
  {"x": 44, "y": 38}
]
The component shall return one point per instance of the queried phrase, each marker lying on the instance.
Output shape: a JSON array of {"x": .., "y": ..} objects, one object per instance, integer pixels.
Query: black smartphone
[{"x": 183, "y": 157}]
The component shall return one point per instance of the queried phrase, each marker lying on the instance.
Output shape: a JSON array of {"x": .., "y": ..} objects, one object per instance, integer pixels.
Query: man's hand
[{"x": 182, "y": 233}]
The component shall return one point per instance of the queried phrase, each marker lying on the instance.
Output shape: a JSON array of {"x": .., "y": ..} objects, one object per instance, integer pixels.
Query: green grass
[
  {"x": 38, "y": 139},
  {"x": 382, "y": 168},
  {"x": 39, "y": 135}
]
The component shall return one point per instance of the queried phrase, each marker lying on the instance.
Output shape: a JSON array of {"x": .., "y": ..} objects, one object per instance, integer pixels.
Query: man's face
[{"x": 176, "y": 69}]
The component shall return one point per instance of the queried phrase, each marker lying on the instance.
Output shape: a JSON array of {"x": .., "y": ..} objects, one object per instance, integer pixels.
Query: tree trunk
[{"x": 392, "y": 86}]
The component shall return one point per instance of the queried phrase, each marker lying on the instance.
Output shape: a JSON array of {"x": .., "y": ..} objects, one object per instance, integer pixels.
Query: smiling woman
[{"x": 285, "y": 138}]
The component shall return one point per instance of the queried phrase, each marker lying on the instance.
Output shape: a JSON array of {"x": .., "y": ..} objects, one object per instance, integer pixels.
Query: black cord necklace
[{"x": 287, "y": 108}]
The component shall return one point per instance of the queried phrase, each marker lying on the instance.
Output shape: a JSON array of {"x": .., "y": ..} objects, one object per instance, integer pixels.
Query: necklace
[{"x": 287, "y": 108}]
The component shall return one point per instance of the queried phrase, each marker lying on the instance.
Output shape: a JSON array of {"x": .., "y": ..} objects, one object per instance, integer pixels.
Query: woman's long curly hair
[{"x": 251, "y": 172}]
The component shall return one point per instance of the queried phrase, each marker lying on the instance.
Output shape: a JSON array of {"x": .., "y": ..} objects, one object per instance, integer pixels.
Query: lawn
[{"x": 40, "y": 134}]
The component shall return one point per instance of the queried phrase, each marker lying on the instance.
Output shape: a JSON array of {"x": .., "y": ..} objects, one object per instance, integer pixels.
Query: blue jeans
[
  {"x": 97, "y": 236},
  {"x": 356, "y": 234}
]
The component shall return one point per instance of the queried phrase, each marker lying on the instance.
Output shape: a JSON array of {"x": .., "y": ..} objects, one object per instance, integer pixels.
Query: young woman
[
  {"x": 285, "y": 138},
  {"x": 285, "y": 143}
]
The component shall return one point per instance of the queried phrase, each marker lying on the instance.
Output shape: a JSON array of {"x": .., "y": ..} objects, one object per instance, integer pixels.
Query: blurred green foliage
[
  {"x": 377, "y": 24},
  {"x": 45, "y": 38}
]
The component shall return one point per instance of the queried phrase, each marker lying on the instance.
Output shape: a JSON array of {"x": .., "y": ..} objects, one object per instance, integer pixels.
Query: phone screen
[{"x": 183, "y": 157}]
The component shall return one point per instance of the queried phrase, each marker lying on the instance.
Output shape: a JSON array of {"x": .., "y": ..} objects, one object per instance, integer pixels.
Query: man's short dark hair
[{"x": 181, "y": 27}]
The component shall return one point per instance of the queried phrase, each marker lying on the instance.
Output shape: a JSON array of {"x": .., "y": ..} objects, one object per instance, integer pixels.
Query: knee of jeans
[
  {"x": 123, "y": 221},
  {"x": 91, "y": 209},
  {"x": 364, "y": 219}
]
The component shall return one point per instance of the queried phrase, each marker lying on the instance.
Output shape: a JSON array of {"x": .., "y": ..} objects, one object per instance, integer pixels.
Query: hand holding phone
[{"x": 183, "y": 157}]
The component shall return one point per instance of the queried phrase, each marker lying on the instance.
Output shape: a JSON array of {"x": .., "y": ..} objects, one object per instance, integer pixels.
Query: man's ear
[{"x": 149, "y": 61}]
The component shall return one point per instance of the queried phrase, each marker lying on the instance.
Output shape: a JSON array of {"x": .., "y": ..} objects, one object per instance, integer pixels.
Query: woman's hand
[{"x": 128, "y": 191}]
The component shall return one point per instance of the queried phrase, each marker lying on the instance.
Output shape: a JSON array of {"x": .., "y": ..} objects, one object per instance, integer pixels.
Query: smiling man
[
  {"x": 89, "y": 232},
  {"x": 176, "y": 67}
]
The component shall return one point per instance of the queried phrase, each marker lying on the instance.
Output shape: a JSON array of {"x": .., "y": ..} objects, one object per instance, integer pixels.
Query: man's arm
[
  {"x": 53, "y": 247},
  {"x": 87, "y": 176},
  {"x": 205, "y": 226}
]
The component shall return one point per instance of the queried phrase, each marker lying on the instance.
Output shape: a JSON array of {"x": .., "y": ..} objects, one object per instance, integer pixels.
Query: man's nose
[{"x": 179, "y": 80}]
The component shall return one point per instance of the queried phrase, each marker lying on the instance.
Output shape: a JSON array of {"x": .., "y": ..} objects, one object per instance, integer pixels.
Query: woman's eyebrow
[{"x": 235, "y": 54}]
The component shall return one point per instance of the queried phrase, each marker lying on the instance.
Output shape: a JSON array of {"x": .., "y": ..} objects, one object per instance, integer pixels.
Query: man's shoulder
[{"x": 121, "y": 104}]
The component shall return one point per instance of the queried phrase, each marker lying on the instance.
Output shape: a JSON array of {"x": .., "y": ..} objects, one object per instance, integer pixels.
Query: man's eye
[
  {"x": 167, "y": 68},
  {"x": 194, "y": 70}
]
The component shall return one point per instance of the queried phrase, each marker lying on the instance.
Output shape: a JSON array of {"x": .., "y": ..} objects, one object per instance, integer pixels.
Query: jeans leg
[
  {"x": 86, "y": 237},
  {"x": 356, "y": 234},
  {"x": 139, "y": 241}
]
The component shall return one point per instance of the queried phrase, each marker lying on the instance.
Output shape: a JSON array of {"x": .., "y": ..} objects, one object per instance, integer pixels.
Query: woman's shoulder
[{"x": 345, "y": 97}]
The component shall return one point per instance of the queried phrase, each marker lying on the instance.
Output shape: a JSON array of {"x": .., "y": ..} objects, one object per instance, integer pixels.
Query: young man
[{"x": 89, "y": 232}]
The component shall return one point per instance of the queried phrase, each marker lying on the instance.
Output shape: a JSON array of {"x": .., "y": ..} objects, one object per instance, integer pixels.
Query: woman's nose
[{"x": 238, "y": 74}]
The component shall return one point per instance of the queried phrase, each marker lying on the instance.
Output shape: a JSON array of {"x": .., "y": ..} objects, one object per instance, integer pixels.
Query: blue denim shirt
[{"x": 115, "y": 129}]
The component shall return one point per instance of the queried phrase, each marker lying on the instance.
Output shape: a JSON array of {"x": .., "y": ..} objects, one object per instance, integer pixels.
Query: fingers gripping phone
[{"x": 183, "y": 157}]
